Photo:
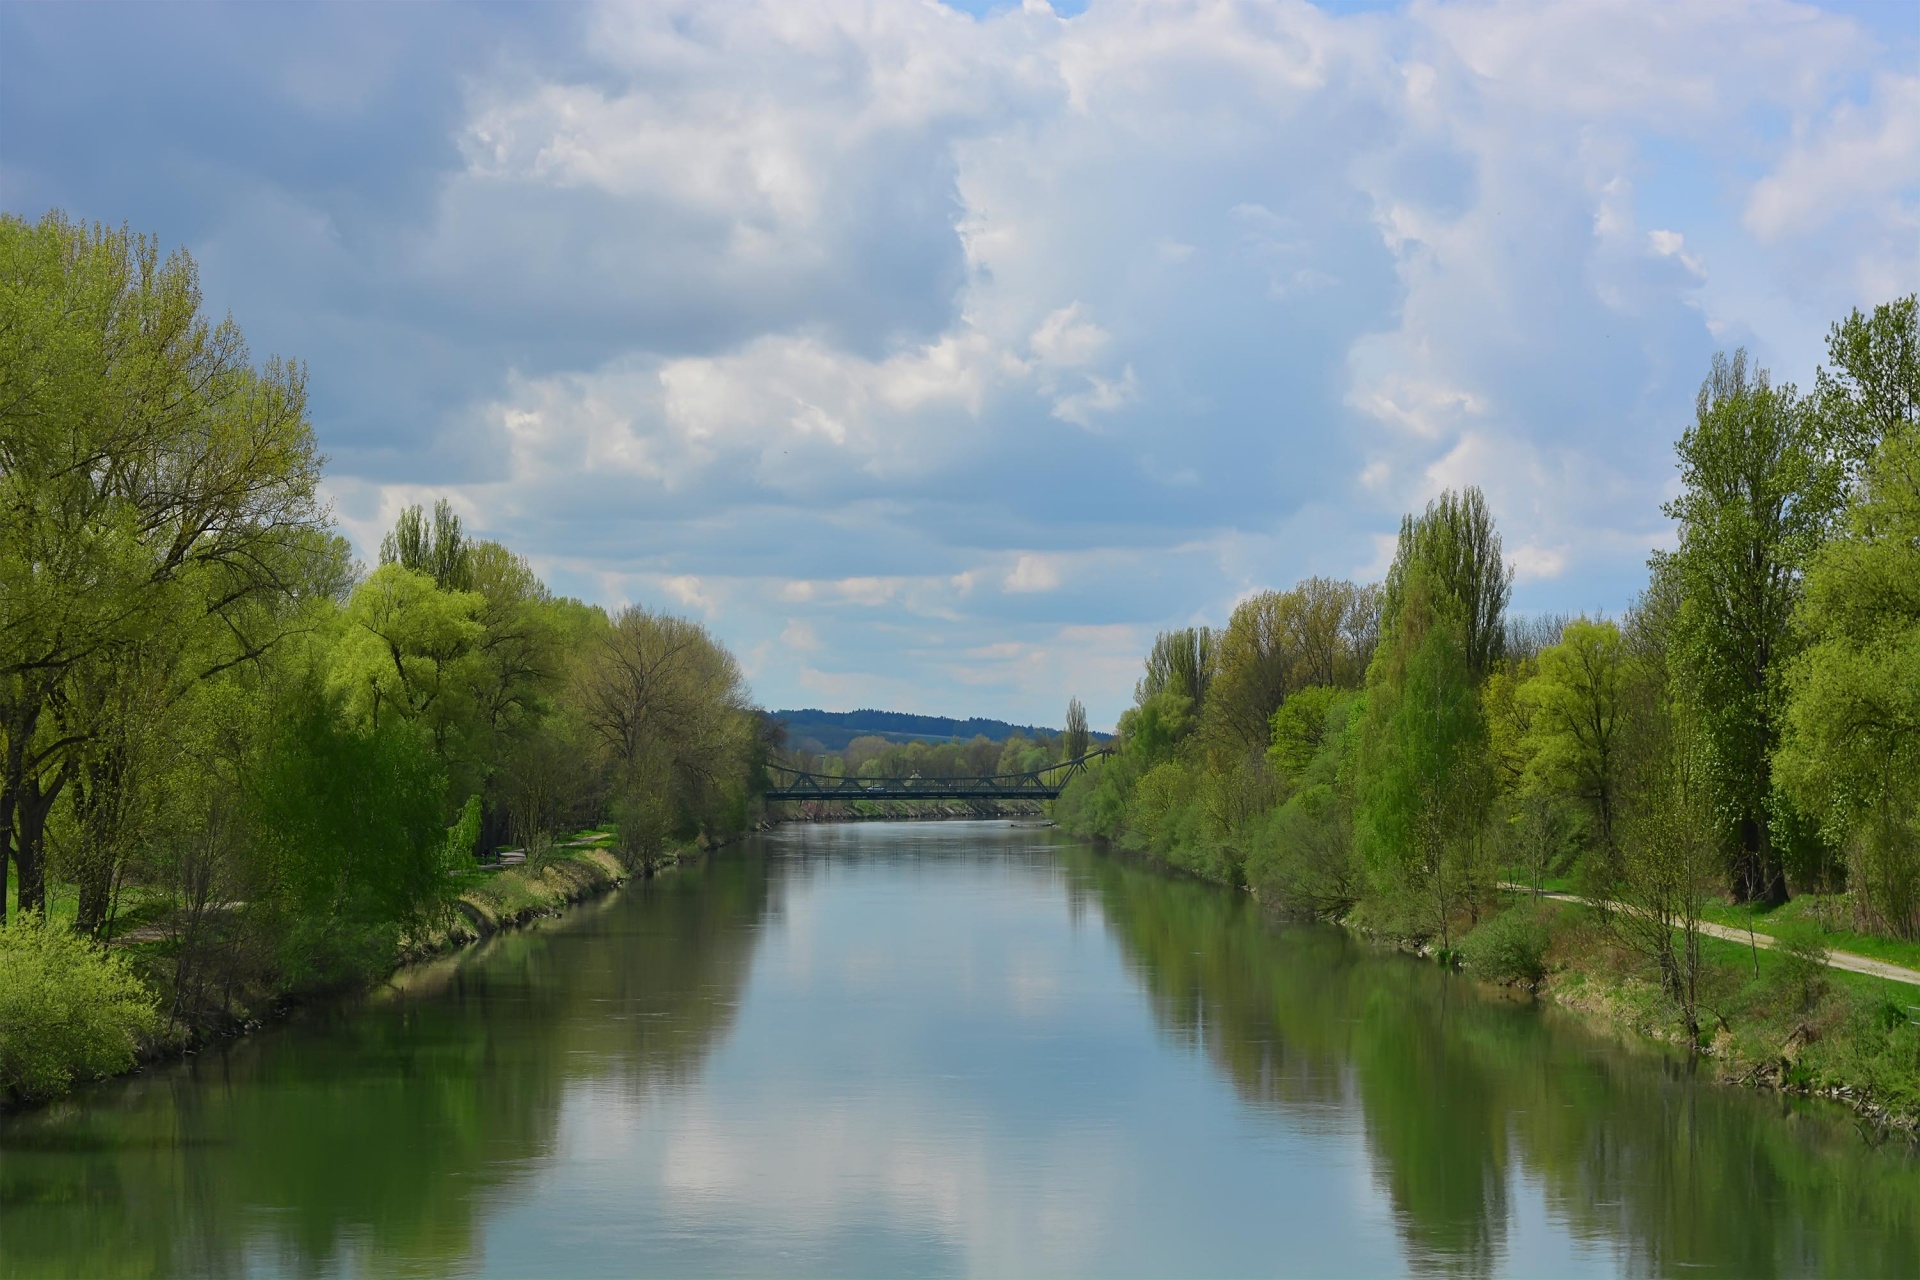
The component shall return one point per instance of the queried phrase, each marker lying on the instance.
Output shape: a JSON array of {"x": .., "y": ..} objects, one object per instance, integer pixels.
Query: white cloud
[
  {"x": 828, "y": 312},
  {"x": 688, "y": 590},
  {"x": 1033, "y": 573}
]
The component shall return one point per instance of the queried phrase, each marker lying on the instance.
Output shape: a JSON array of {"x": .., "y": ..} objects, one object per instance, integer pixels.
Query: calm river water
[{"x": 940, "y": 1048}]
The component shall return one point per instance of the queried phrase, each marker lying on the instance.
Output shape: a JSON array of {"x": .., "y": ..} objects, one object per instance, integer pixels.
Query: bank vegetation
[
  {"x": 1742, "y": 746},
  {"x": 237, "y": 766}
]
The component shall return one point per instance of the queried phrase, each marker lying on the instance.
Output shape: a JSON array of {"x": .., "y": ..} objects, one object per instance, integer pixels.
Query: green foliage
[
  {"x": 206, "y": 719},
  {"x": 1424, "y": 771},
  {"x": 1151, "y": 731},
  {"x": 1760, "y": 490},
  {"x": 68, "y": 1010},
  {"x": 1574, "y": 704},
  {"x": 1321, "y": 633},
  {"x": 441, "y": 551},
  {"x": 1301, "y": 727},
  {"x": 1803, "y": 953},
  {"x": 1076, "y": 744},
  {"x": 1509, "y": 949},
  {"x": 463, "y": 836},
  {"x": 348, "y": 837},
  {"x": 1452, "y": 554},
  {"x": 1851, "y": 754}
]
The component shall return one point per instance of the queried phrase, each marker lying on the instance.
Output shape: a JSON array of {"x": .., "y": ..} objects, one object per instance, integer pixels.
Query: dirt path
[{"x": 1846, "y": 960}]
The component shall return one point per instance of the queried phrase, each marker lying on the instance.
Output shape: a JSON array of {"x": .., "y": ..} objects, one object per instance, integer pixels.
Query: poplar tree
[{"x": 1760, "y": 488}]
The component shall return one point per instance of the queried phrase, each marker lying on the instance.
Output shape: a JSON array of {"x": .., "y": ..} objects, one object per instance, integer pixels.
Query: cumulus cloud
[{"x": 818, "y": 318}]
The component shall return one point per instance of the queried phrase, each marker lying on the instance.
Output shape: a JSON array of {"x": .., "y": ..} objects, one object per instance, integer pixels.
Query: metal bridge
[{"x": 1040, "y": 784}]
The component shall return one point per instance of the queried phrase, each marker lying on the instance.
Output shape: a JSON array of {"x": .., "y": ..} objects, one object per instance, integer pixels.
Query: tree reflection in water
[
  {"x": 380, "y": 1134},
  {"x": 1461, "y": 1092},
  {"x": 393, "y": 1135}
]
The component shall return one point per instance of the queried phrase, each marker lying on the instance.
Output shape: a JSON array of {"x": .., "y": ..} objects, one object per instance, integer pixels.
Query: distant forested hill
[{"x": 833, "y": 730}]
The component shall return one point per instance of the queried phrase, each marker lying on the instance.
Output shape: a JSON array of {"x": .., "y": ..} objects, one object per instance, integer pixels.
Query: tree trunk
[
  {"x": 1757, "y": 877},
  {"x": 29, "y": 850}
]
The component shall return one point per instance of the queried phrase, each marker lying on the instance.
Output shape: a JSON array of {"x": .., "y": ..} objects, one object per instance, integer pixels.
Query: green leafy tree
[
  {"x": 407, "y": 651},
  {"x": 1455, "y": 547},
  {"x": 1852, "y": 747},
  {"x": 1871, "y": 391},
  {"x": 1575, "y": 700},
  {"x": 440, "y": 549},
  {"x": 1759, "y": 492},
  {"x": 1427, "y": 773},
  {"x": 1424, "y": 771},
  {"x": 149, "y": 473}
]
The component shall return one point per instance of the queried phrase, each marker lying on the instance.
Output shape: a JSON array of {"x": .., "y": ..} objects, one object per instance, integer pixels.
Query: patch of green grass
[{"x": 1828, "y": 914}]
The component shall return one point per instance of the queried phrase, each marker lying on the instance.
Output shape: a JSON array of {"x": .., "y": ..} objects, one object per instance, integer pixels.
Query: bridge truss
[{"x": 1039, "y": 784}]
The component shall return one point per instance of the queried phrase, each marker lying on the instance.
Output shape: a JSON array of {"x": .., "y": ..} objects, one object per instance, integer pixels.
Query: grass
[
  {"x": 1818, "y": 911},
  {"x": 1822, "y": 910},
  {"x": 1768, "y": 1018}
]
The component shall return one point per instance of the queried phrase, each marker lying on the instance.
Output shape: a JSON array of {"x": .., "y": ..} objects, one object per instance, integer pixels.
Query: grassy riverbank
[
  {"x": 73, "y": 1012},
  {"x": 1771, "y": 1018}
]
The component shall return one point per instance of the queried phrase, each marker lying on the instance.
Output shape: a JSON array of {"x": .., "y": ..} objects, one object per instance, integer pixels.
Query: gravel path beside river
[{"x": 1846, "y": 960}]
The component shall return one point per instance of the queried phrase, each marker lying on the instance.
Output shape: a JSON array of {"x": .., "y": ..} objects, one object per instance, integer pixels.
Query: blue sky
[{"x": 938, "y": 356}]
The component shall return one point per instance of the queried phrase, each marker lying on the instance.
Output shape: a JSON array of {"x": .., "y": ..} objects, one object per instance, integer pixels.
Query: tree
[
  {"x": 669, "y": 710},
  {"x": 1759, "y": 493},
  {"x": 1076, "y": 729},
  {"x": 1871, "y": 393},
  {"x": 148, "y": 472},
  {"x": 1321, "y": 633},
  {"x": 1574, "y": 702},
  {"x": 1425, "y": 775},
  {"x": 1851, "y": 752},
  {"x": 407, "y": 652},
  {"x": 1454, "y": 544},
  {"x": 441, "y": 551},
  {"x": 1181, "y": 662}
]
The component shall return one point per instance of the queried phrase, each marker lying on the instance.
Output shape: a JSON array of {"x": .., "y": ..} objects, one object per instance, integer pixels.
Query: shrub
[
  {"x": 1510, "y": 948},
  {"x": 68, "y": 1010}
]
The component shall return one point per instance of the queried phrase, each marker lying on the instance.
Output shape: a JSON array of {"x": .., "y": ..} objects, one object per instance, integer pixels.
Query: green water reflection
[
  {"x": 951, "y": 1048},
  {"x": 1462, "y": 1090}
]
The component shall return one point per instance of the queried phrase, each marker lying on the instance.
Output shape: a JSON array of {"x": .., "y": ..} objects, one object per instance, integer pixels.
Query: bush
[
  {"x": 1510, "y": 948},
  {"x": 68, "y": 1010}
]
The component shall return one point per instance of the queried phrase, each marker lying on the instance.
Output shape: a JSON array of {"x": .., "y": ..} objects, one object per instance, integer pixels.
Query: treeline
[
  {"x": 1748, "y": 730},
  {"x": 223, "y": 741},
  {"x": 872, "y": 756}
]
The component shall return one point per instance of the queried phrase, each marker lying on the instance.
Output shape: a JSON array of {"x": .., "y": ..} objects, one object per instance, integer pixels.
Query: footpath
[{"x": 1846, "y": 960}]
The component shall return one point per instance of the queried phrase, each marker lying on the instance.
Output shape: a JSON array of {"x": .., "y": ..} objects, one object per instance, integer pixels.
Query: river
[{"x": 940, "y": 1048}]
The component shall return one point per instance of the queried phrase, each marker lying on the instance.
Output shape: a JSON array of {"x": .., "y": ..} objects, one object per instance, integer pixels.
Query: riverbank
[
  {"x": 1777, "y": 1018},
  {"x": 491, "y": 900},
  {"x": 1780, "y": 1018}
]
